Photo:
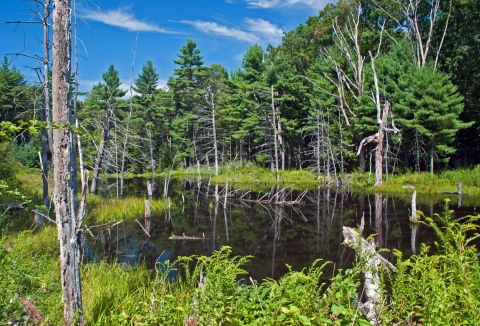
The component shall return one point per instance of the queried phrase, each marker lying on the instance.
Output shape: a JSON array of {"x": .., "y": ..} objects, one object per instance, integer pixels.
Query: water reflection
[{"x": 275, "y": 227}]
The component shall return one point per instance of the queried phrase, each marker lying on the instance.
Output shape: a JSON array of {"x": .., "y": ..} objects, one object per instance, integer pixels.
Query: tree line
[
  {"x": 378, "y": 84},
  {"x": 389, "y": 84}
]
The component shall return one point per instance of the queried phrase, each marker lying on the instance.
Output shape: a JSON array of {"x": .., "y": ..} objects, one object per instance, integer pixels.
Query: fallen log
[
  {"x": 184, "y": 237},
  {"x": 32, "y": 311},
  {"x": 13, "y": 206},
  {"x": 372, "y": 262}
]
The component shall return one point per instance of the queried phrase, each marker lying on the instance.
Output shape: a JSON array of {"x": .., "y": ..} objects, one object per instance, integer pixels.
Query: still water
[{"x": 291, "y": 229}]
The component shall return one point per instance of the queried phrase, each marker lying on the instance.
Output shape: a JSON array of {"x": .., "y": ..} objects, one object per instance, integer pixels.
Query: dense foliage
[{"x": 307, "y": 103}]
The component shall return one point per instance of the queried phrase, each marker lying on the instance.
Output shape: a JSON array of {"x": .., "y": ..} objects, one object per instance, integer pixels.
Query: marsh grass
[
  {"x": 256, "y": 178},
  {"x": 101, "y": 210},
  {"x": 425, "y": 183},
  {"x": 112, "y": 291},
  {"x": 30, "y": 268}
]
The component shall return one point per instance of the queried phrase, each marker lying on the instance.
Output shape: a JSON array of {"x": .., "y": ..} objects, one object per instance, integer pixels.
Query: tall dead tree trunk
[
  {"x": 275, "y": 134},
  {"x": 382, "y": 119},
  {"x": 101, "y": 150},
  {"x": 46, "y": 61},
  {"x": 125, "y": 142},
  {"x": 65, "y": 169},
  {"x": 46, "y": 133}
]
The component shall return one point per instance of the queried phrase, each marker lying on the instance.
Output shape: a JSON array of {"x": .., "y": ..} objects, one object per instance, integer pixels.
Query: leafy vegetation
[{"x": 440, "y": 287}]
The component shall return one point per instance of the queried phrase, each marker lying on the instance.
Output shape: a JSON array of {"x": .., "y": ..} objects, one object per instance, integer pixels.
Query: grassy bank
[
  {"x": 101, "y": 210},
  {"x": 261, "y": 179},
  {"x": 425, "y": 183}
]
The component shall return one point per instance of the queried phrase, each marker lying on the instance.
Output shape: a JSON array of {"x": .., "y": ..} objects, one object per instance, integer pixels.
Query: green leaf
[
  {"x": 364, "y": 322},
  {"x": 335, "y": 310},
  {"x": 304, "y": 319}
]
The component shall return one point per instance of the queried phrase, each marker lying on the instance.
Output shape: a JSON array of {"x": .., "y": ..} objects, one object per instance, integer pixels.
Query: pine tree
[
  {"x": 12, "y": 83},
  {"x": 104, "y": 96},
  {"x": 185, "y": 86},
  {"x": 437, "y": 111}
]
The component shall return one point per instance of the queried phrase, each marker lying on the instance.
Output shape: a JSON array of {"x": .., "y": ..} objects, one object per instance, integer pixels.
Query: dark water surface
[{"x": 276, "y": 235}]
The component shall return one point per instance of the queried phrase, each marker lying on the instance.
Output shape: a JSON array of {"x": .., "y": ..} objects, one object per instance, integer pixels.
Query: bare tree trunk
[
  {"x": 79, "y": 141},
  {"x": 281, "y": 142},
  {"x": 214, "y": 129},
  {"x": 152, "y": 161},
  {"x": 275, "y": 136},
  {"x": 379, "y": 150},
  {"x": 46, "y": 133},
  {"x": 101, "y": 149},
  {"x": 432, "y": 154},
  {"x": 319, "y": 163},
  {"x": 124, "y": 151},
  {"x": 46, "y": 61},
  {"x": 65, "y": 169}
]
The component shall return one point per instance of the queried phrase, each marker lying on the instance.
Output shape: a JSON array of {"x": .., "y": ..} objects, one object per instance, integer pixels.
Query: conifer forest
[{"x": 315, "y": 149}]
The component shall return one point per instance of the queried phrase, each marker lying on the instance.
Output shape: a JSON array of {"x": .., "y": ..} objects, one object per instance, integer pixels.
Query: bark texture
[{"x": 64, "y": 162}]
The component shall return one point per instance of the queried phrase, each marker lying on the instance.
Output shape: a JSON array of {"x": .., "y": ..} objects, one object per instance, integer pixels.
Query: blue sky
[{"x": 222, "y": 29}]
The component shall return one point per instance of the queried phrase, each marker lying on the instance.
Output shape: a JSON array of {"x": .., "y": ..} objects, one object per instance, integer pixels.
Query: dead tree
[
  {"x": 275, "y": 133},
  {"x": 382, "y": 120},
  {"x": 372, "y": 264},
  {"x": 124, "y": 151},
  {"x": 46, "y": 134},
  {"x": 64, "y": 163},
  {"x": 421, "y": 38},
  {"x": 101, "y": 149}
]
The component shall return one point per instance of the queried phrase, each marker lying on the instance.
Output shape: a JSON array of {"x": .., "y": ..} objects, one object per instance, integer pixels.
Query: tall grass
[
  {"x": 112, "y": 291},
  {"x": 426, "y": 183},
  {"x": 29, "y": 267},
  {"x": 101, "y": 210}
]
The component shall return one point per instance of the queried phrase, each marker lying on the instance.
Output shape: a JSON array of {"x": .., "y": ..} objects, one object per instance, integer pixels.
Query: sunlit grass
[
  {"x": 424, "y": 182},
  {"x": 111, "y": 289},
  {"x": 30, "y": 267},
  {"x": 101, "y": 210}
]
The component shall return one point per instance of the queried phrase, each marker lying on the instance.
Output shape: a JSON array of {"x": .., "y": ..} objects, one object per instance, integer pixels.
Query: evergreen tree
[
  {"x": 146, "y": 114},
  {"x": 185, "y": 86},
  {"x": 13, "y": 101},
  {"x": 103, "y": 99},
  {"x": 437, "y": 111}
]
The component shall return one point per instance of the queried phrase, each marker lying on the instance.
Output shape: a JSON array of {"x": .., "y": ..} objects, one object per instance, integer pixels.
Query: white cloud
[
  {"x": 267, "y": 29},
  {"x": 212, "y": 27},
  {"x": 316, "y": 4},
  {"x": 123, "y": 19}
]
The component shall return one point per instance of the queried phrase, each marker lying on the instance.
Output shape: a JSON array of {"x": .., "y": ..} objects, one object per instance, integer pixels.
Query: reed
[
  {"x": 424, "y": 182},
  {"x": 130, "y": 208},
  {"x": 111, "y": 290}
]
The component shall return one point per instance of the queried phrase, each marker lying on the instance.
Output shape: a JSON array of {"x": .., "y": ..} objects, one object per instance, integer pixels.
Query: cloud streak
[
  {"x": 268, "y": 30},
  {"x": 212, "y": 27},
  {"x": 316, "y": 4},
  {"x": 123, "y": 19}
]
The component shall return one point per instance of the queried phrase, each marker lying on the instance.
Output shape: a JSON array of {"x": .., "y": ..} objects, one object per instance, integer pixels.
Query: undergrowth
[{"x": 440, "y": 288}]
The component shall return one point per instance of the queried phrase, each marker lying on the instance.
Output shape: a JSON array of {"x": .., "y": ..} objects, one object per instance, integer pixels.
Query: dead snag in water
[{"x": 371, "y": 266}]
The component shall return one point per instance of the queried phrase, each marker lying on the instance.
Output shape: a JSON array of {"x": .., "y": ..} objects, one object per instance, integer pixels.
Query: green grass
[
  {"x": 425, "y": 183},
  {"x": 101, "y": 210},
  {"x": 260, "y": 179},
  {"x": 112, "y": 290},
  {"x": 30, "y": 268}
]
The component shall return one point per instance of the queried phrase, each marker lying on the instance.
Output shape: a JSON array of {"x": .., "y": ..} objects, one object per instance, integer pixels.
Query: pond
[{"x": 276, "y": 235}]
